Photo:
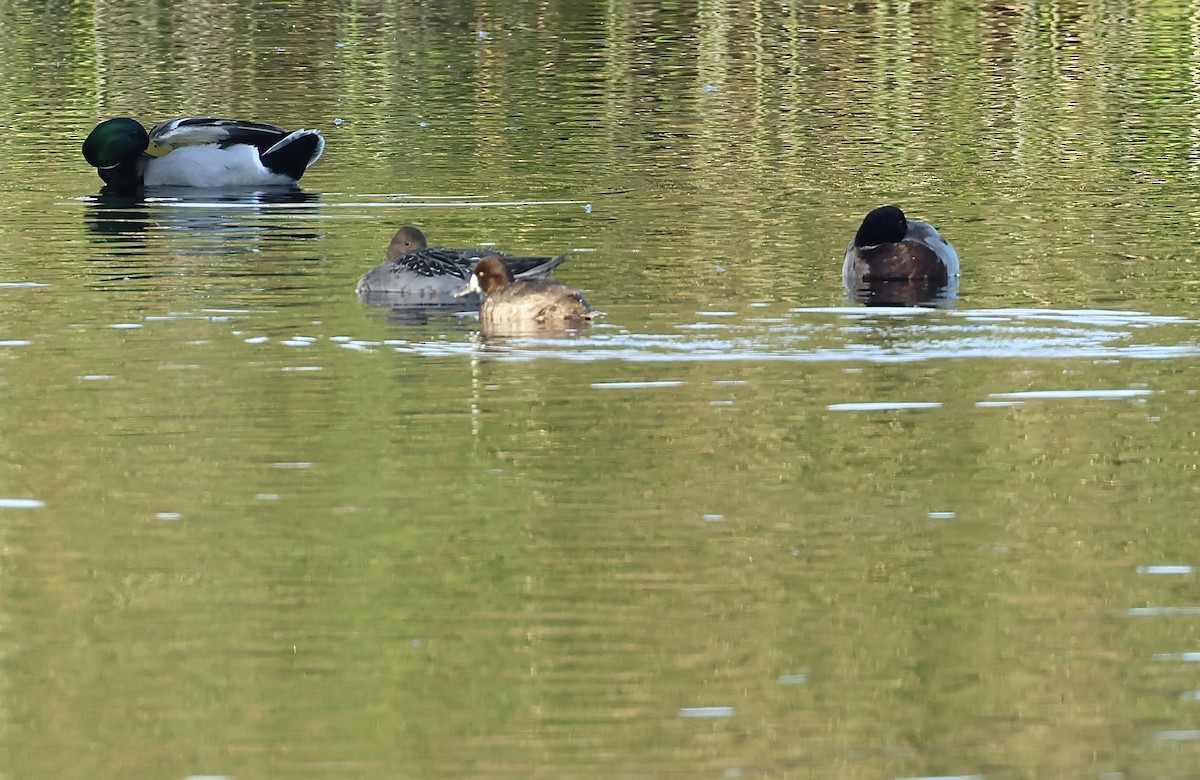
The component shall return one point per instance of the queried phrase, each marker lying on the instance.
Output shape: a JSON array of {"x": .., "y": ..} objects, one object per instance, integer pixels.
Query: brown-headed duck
[{"x": 519, "y": 305}]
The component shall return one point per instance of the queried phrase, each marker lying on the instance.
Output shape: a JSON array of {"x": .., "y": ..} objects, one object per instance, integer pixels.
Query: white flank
[{"x": 212, "y": 166}]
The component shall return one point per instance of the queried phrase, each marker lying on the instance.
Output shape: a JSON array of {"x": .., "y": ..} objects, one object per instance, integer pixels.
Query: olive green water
[{"x": 251, "y": 527}]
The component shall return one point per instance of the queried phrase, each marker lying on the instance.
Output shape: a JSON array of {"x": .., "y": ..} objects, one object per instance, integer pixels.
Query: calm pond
[{"x": 742, "y": 527}]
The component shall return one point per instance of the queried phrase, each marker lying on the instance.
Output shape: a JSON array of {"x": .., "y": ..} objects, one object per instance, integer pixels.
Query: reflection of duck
[
  {"x": 894, "y": 260},
  {"x": 415, "y": 273},
  {"x": 525, "y": 304},
  {"x": 117, "y": 213},
  {"x": 902, "y": 292},
  {"x": 125, "y": 213},
  {"x": 203, "y": 152},
  {"x": 178, "y": 224}
]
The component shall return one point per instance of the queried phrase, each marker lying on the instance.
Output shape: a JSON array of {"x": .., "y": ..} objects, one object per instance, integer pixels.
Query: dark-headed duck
[
  {"x": 200, "y": 152},
  {"x": 524, "y": 304},
  {"x": 415, "y": 273},
  {"x": 889, "y": 247}
]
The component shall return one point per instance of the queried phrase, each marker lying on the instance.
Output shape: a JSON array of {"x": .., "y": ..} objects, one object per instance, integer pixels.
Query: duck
[
  {"x": 415, "y": 273},
  {"x": 522, "y": 305},
  {"x": 200, "y": 152},
  {"x": 890, "y": 247}
]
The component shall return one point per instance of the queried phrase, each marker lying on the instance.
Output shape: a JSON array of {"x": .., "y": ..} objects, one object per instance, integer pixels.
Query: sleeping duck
[
  {"x": 419, "y": 274},
  {"x": 200, "y": 153},
  {"x": 524, "y": 305},
  {"x": 889, "y": 247}
]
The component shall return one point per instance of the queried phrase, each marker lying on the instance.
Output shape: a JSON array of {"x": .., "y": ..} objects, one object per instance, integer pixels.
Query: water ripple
[
  {"x": 821, "y": 335},
  {"x": 1057, "y": 394},
  {"x": 873, "y": 336}
]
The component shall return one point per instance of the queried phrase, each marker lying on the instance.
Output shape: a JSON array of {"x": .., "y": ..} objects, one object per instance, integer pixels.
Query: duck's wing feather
[
  {"x": 197, "y": 131},
  {"x": 448, "y": 261},
  {"x": 533, "y": 267},
  {"x": 434, "y": 261},
  {"x": 519, "y": 267}
]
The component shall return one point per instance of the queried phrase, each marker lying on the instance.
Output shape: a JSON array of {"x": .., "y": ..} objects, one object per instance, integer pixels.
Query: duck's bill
[
  {"x": 463, "y": 291},
  {"x": 156, "y": 150}
]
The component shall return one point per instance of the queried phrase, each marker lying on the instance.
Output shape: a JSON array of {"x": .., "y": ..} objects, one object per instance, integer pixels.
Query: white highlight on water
[
  {"x": 21, "y": 503},
  {"x": 877, "y": 406},
  {"x": 1101, "y": 394},
  {"x": 635, "y": 385},
  {"x": 1158, "y": 611},
  {"x": 1165, "y": 570},
  {"x": 706, "y": 712}
]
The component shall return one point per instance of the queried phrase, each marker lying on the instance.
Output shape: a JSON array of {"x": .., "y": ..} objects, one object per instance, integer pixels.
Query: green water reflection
[{"x": 287, "y": 534}]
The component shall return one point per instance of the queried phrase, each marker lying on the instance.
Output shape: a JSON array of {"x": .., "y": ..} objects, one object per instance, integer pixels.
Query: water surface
[{"x": 741, "y": 527}]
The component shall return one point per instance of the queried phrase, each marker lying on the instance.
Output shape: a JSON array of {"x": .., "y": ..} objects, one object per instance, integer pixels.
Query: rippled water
[{"x": 743, "y": 526}]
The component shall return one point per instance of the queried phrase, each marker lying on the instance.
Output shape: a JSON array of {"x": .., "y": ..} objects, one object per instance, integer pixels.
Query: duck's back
[
  {"x": 534, "y": 303},
  {"x": 901, "y": 260},
  {"x": 433, "y": 275}
]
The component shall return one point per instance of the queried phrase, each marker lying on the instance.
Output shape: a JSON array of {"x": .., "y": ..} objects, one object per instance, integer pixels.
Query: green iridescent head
[{"x": 115, "y": 141}]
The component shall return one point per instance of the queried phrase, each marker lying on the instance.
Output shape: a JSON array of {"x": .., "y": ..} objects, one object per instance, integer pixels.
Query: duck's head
[
  {"x": 884, "y": 225},
  {"x": 489, "y": 275},
  {"x": 115, "y": 141},
  {"x": 407, "y": 239}
]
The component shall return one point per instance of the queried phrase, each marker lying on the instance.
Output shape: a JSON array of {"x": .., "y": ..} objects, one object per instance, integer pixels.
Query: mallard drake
[
  {"x": 204, "y": 152},
  {"x": 889, "y": 247},
  {"x": 416, "y": 273},
  {"x": 514, "y": 306}
]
